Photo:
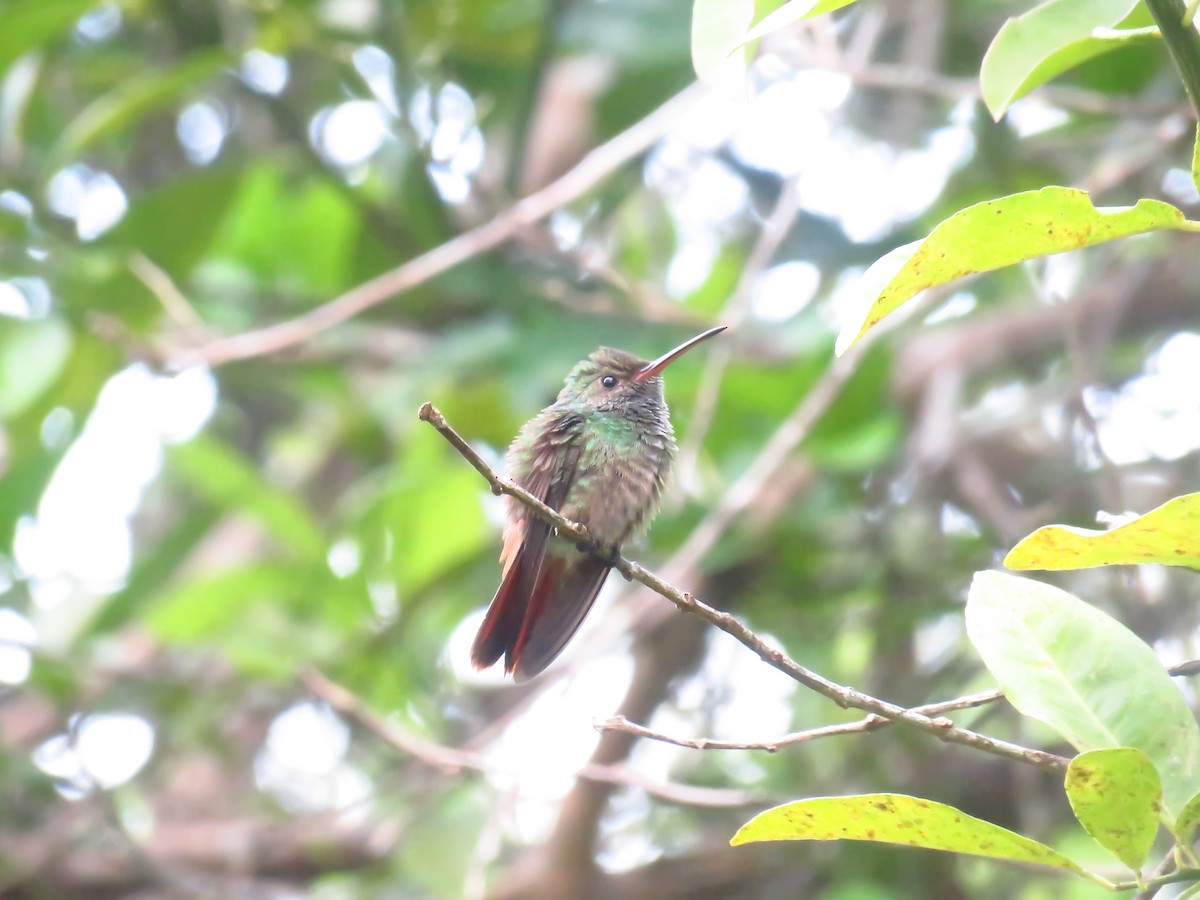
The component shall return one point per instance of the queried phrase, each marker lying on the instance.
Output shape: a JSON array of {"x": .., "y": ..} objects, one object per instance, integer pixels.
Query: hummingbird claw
[{"x": 607, "y": 553}]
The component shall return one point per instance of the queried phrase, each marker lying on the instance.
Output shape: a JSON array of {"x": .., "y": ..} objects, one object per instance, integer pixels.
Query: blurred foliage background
[{"x": 200, "y": 539}]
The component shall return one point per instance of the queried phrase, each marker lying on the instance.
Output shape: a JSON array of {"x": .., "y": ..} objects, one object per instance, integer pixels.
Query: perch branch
[{"x": 845, "y": 697}]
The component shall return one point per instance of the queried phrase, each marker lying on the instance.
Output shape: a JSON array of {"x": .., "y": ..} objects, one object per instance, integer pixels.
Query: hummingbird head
[{"x": 613, "y": 380}]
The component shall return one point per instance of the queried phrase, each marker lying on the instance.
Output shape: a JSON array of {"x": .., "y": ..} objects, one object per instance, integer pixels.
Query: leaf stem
[
  {"x": 1162, "y": 880},
  {"x": 1183, "y": 43}
]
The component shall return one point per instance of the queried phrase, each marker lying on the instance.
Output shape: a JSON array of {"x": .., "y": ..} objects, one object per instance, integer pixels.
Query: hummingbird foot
[{"x": 607, "y": 553}]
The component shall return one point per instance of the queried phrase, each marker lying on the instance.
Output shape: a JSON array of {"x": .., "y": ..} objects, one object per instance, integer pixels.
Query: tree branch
[
  {"x": 843, "y": 696},
  {"x": 863, "y": 725},
  {"x": 452, "y": 760},
  {"x": 774, "y": 229},
  {"x": 866, "y": 724},
  {"x": 592, "y": 169}
]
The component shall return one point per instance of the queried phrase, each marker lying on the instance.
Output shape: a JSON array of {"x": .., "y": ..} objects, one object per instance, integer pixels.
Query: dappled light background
[{"x": 237, "y": 595}]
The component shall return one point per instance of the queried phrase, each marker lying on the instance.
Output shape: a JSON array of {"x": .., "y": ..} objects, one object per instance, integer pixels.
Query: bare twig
[
  {"x": 842, "y": 695},
  {"x": 781, "y": 445},
  {"x": 1191, "y": 667},
  {"x": 591, "y": 170},
  {"x": 161, "y": 286},
  {"x": 860, "y": 726},
  {"x": 451, "y": 760},
  {"x": 173, "y": 878},
  {"x": 548, "y": 38},
  {"x": 868, "y": 723},
  {"x": 774, "y": 230}
]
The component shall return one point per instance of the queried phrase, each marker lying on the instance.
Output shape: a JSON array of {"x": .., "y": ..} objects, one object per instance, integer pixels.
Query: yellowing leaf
[
  {"x": 1169, "y": 534},
  {"x": 1117, "y": 797},
  {"x": 998, "y": 233},
  {"x": 1196, "y": 160},
  {"x": 897, "y": 819}
]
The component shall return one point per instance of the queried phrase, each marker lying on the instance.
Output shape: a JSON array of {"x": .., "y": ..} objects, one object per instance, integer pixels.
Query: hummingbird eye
[{"x": 608, "y": 382}]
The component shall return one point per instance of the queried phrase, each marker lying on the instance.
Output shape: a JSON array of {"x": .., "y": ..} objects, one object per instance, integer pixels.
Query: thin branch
[
  {"x": 591, "y": 170},
  {"x": 860, "y": 726},
  {"x": 452, "y": 761},
  {"x": 1152, "y": 886},
  {"x": 866, "y": 724},
  {"x": 1191, "y": 667},
  {"x": 159, "y": 283},
  {"x": 774, "y": 229},
  {"x": 843, "y": 696},
  {"x": 1165, "y": 866},
  {"x": 776, "y": 451}
]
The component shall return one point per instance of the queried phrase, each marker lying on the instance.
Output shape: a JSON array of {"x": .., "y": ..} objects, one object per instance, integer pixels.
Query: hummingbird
[{"x": 600, "y": 455}]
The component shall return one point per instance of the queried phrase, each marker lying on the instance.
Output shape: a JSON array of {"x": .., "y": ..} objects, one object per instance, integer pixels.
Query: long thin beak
[{"x": 653, "y": 368}]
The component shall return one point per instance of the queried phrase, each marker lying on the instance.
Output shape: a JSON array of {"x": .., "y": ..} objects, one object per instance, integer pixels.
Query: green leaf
[
  {"x": 1085, "y": 675},
  {"x": 29, "y": 24},
  {"x": 1187, "y": 825},
  {"x": 261, "y": 616},
  {"x": 202, "y": 199},
  {"x": 1117, "y": 797},
  {"x": 998, "y": 233},
  {"x": 1168, "y": 535},
  {"x": 1196, "y": 160},
  {"x": 153, "y": 571},
  {"x": 32, "y": 355},
  {"x": 205, "y": 606},
  {"x": 126, "y": 104},
  {"x": 897, "y": 819},
  {"x": 717, "y": 26},
  {"x": 1051, "y": 38},
  {"x": 225, "y": 478},
  {"x": 431, "y": 509},
  {"x": 272, "y": 209},
  {"x": 791, "y": 12}
]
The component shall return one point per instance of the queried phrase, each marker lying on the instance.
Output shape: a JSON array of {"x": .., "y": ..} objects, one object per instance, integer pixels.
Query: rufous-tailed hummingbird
[{"x": 600, "y": 455}]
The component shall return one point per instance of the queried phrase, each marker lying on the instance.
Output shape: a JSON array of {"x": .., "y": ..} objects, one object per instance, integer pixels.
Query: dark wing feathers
[
  {"x": 548, "y": 477},
  {"x": 562, "y": 597}
]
